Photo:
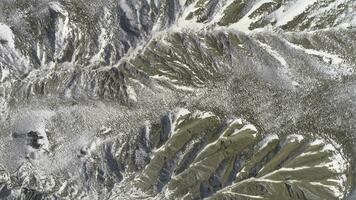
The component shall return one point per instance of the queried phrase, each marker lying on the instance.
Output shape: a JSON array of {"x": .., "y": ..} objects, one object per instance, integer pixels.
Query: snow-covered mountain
[{"x": 84, "y": 85}]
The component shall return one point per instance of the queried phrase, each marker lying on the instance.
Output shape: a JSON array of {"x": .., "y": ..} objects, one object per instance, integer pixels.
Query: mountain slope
[{"x": 79, "y": 78}]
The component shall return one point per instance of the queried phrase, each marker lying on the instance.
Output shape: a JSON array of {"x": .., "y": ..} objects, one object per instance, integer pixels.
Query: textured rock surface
[{"x": 84, "y": 85}]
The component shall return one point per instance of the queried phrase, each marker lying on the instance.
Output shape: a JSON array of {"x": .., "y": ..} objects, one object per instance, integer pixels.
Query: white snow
[
  {"x": 244, "y": 23},
  {"x": 337, "y": 162},
  {"x": 63, "y": 186},
  {"x": 182, "y": 2},
  {"x": 41, "y": 52},
  {"x": 337, "y": 65},
  {"x": 294, "y": 138},
  {"x": 131, "y": 93},
  {"x": 335, "y": 59},
  {"x": 183, "y": 87},
  {"x": 183, "y": 24},
  {"x": 5, "y": 72},
  {"x": 180, "y": 112},
  {"x": 244, "y": 128},
  {"x": 337, "y": 193},
  {"x": 235, "y": 121},
  {"x": 172, "y": 81},
  {"x": 267, "y": 140},
  {"x": 202, "y": 115},
  {"x": 274, "y": 53},
  {"x": 176, "y": 118},
  {"x": 286, "y": 14},
  {"x": 249, "y": 127},
  {"x": 308, "y": 153},
  {"x": 317, "y": 142},
  {"x": 232, "y": 122},
  {"x": 185, "y": 66},
  {"x": 162, "y": 78},
  {"x": 220, "y": 14},
  {"x": 284, "y": 70},
  {"x": 245, "y": 195},
  {"x": 105, "y": 130},
  {"x": 7, "y": 35},
  {"x": 104, "y": 37},
  {"x": 62, "y": 31}
]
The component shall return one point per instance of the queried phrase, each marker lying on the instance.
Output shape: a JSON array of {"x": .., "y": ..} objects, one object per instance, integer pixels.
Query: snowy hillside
[{"x": 260, "y": 96}]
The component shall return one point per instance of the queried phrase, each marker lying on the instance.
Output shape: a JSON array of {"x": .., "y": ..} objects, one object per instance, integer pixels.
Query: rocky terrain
[{"x": 177, "y": 99}]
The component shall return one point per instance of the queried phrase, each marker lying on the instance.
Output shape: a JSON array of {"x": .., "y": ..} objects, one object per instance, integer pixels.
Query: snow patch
[
  {"x": 286, "y": 14},
  {"x": 244, "y": 23},
  {"x": 5, "y": 72},
  {"x": 202, "y": 115},
  {"x": 180, "y": 112},
  {"x": 131, "y": 93},
  {"x": 235, "y": 121},
  {"x": 63, "y": 30},
  {"x": 274, "y": 53},
  {"x": 294, "y": 138},
  {"x": 103, "y": 38},
  {"x": 268, "y": 139},
  {"x": 337, "y": 64},
  {"x": 7, "y": 35},
  {"x": 327, "y": 57},
  {"x": 176, "y": 118},
  {"x": 244, "y": 128}
]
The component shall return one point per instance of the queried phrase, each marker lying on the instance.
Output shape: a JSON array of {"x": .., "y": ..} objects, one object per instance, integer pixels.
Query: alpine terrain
[{"x": 178, "y": 99}]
